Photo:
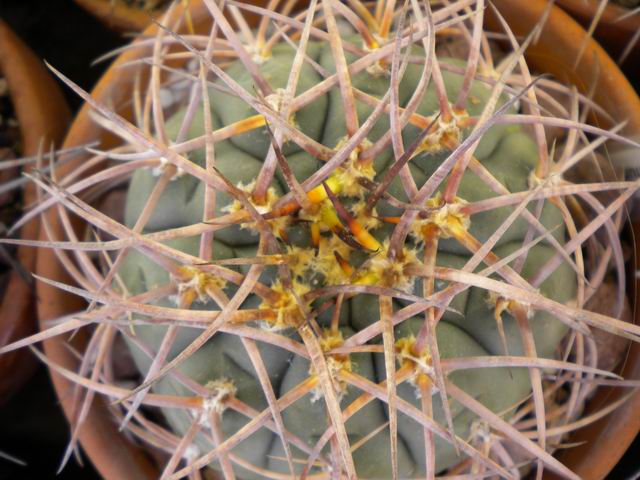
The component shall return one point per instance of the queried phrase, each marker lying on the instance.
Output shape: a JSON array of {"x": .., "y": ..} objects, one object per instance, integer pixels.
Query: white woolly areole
[
  {"x": 334, "y": 366},
  {"x": 378, "y": 68},
  {"x": 391, "y": 271},
  {"x": 448, "y": 217},
  {"x": 197, "y": 282},
  {"x": 193, "y": 284},
  {"x": 445, "y": 132},
  {"x": 422, "y": 367},
  {"x": 350, "y": 171},
  {"x": 167, "y": 98},
  {"x": 221, "y": 390},
  {"x": 421, "y": 364},
  {"x": 258, "y": 55},
  {"x": 480, "y": 431},
  {"x": 277, "y": 224},
  {"x": 159, "y": 169},
  {"x": 276, "y": 101},
  {"x": 335, "y": 363},
  {"x": 191, "y": 453},
  {"x": 553, "y": 180},
  {"x": 501, "y": 304},
  {"x": 288, "y": 310}
]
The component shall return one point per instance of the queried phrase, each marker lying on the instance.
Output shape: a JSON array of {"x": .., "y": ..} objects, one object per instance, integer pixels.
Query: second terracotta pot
[{"x": 43, "y": 118}]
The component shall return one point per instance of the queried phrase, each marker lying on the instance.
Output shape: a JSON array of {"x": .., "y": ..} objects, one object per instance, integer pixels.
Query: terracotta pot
[
  {"x": 555, "y": 52},
  {"x": 117, "y": 15},
  {"x": 120, "y": 17},
  {"x": 43, "y": 116},
  {"x": 611, "y": 33},
  {"x": 112, "y": 453}
]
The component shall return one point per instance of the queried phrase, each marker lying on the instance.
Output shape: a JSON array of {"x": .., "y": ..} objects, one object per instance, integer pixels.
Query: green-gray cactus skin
[{"x": 507, "y": 152}]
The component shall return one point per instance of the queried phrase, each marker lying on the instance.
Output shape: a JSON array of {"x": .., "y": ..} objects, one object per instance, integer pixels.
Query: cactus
[
  {"x": 344, "y": 254},
  {"x": 467, "y": 329}
]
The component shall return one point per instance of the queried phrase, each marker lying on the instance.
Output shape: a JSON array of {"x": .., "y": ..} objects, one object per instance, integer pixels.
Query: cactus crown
[{"x": 343, "y": 252}]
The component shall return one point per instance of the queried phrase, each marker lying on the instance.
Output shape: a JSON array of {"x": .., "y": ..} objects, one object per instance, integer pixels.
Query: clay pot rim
[
  {"x": 27, "y": 77},
  {"x": 612, "y": 12},
  {"x": 42, "y": 115},
  {"x": 556, "y": 50},
  {"x": 100, "y": 438},
  {"x": 118, "y": 16}
]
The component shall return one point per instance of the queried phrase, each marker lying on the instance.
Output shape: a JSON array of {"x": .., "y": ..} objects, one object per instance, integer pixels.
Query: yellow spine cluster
[
  {"x": 448, "y": 218},
  {"x": 407, "y": 356},
  {"x": 287, "y": 311},
  {"x": 194, "y": 284},
  {"x": 329, "y": 340}
]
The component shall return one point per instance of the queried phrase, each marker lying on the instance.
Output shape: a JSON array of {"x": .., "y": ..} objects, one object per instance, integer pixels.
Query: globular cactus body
[{"x": 469, "y": 329}]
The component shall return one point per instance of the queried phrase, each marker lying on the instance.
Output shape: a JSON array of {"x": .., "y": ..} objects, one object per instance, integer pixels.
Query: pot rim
[
  {"x": 100, "y": 437},
  {"x": 117, "y": 16},
  {"x": 616, "y": 95},
  {"x": 610, "y": 14},
  {"x": 43, "y": 117}
]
